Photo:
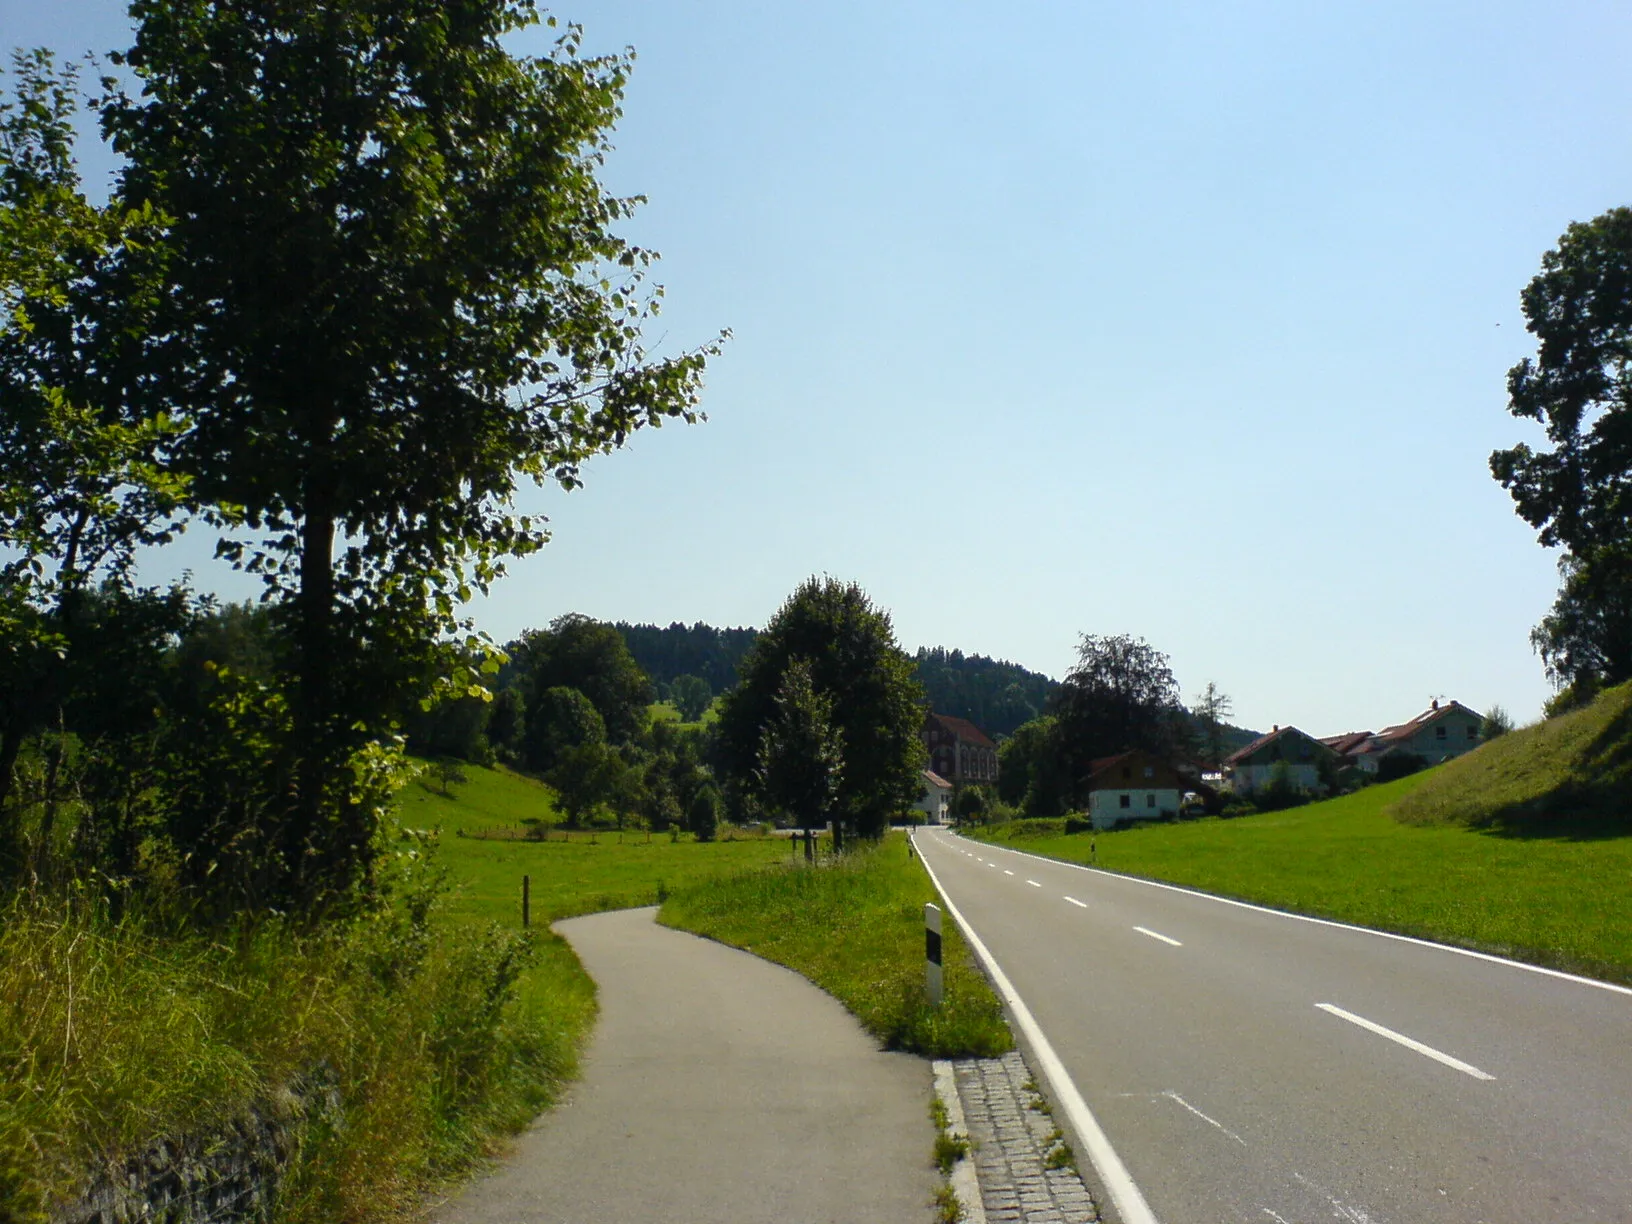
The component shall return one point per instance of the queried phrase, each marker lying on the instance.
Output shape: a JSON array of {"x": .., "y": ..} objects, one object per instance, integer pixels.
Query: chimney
[
  {"x": 1275, "y": 728},
  {"x": 1435, "y": 704}
]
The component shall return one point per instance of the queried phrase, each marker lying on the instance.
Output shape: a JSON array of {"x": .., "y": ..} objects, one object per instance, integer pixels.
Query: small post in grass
[
  {"x": 932, "y": 952},
  {"x": 526, "y": 900}
]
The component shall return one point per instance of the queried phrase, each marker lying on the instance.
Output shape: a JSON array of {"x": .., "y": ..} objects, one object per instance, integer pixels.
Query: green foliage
[
  {"x": 855, "y": 663},
  {"x": 1212, "y": 712},
  {"x": 1578, "y": 495},
  {"x": 949, "y": 1149},
  {"x": 996, "y": 696},
  {"x": 691, "y": 696},
  {"x": 1554, "y": 900},
  {"x": 1281, "y": 791},
  {"x": 703, "y": 813},
  {"x": 1496, "y": 722},
  {"x": 1399, "y": 764},
  {"x": 1032, "y": 769},
  {"x": 854, "y": 926},
  {"x": 560, "y": 719},
  {"x": 583, "y": 654},
  {"x": 801, "y": 754},
  {"x": 1120, "y": 696}
]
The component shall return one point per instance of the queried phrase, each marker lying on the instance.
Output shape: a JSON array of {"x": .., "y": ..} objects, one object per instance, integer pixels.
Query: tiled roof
[
  {"x": 1347, "y": 743},
  {"x": 963, "y": 729},
  {"x": 1264, "y": 740},
  {"x": 1431, "y": 715},
  {"x": 935, "y": 779}
]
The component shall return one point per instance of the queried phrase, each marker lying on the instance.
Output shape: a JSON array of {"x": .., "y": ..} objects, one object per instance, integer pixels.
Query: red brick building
[{"x": 959, "y": 751}]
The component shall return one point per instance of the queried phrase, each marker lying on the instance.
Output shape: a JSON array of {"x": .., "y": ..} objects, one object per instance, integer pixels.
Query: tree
[
  {"x": 801, "y": 753},
  {"x": 391, "y": 297},
  {"x": 877, "y": 705},
  {"x": 1120, "y": 696},
  {"x": 583, "y": 654},
  {"x": 691, "y": 696},
  {"x": 1585, "y": 642},
  {"x": 563, "y": 719},
  {"x": 1497, "y": 722},
  {"x": 703, "y": 813},
  {"x": 1212, "y": 709},
  {"x": 586, "y": 778},
  {"x": 1578, "y": 495}
]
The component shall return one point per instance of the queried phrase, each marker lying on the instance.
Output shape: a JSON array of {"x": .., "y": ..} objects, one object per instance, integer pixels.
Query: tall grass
[
  {"x": 116, "y": 1032},
  {"x": 855, "y": 927}
]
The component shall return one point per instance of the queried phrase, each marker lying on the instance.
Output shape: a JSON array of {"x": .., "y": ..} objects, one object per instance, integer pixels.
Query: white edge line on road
[
  {"x": 1330, "y": 922},
  {"x": 1113, "y": 1174},
  {"x": 1078, "y": 904},
  {"x": 1407, "y": 1042},
  {"x": 1158, "y": 935}
]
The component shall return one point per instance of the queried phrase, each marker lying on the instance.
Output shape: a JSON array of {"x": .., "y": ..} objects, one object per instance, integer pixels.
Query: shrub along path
[{"x": 718, "y": 1088}]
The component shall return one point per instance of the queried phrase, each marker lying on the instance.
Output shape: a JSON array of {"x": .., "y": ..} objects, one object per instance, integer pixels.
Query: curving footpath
[{"x": 718, "y": 1088}]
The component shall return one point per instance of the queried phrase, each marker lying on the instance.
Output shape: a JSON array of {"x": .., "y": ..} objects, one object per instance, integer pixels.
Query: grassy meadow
[
  {"x": 855, "y": 927},
  {"x": 1559, "y": 901}
]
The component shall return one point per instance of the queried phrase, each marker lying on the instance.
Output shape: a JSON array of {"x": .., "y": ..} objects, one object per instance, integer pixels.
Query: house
[
  {"x": 936, "y": 801},
  {"x": 1250, "y": 769},
  {"x": 959, "y": 751},
  {"x": 1132, "y": 786},
  {"x": 1440, "y": 732}
]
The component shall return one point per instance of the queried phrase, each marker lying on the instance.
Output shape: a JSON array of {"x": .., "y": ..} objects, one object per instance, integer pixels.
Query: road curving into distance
[{"x": 1246, "y": 1065}]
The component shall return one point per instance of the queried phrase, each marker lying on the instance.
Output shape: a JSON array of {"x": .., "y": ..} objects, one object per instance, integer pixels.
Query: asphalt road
[{"x": 1251, "y": 1066}]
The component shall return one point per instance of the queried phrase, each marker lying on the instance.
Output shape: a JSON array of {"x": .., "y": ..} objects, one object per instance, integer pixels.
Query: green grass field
[
  {"x": 856, "y": 929},
  {"x": 1558, "y": 901}
]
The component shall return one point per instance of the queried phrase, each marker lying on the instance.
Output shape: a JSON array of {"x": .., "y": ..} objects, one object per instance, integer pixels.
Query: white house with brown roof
[
  {"x": 1132, "y": 786},
  {"x": 936, "y": 800},
  {"x": 959, "y": 751},
  {"x": 1250, "y": 768}
]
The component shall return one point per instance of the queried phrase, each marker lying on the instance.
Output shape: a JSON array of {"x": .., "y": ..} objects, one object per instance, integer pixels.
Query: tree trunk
[{"x": 311, "y": 856}]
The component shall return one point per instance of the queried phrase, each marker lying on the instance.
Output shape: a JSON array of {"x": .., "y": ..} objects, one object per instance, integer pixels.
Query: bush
[{"x": 1398, "y": 765}]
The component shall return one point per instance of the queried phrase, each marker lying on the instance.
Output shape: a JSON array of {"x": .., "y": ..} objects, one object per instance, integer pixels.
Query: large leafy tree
[
  {"x": 395, "y": 298},
  {"x": 589, "y": 656},
  {"x": 855, "y": 664},
  {"x": 1578, "y": 493},
  {"x": 1121, "y": 695}
]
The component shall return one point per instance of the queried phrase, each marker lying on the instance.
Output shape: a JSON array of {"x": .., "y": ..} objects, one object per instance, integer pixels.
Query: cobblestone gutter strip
[{"x": 1013, "y": 1138}]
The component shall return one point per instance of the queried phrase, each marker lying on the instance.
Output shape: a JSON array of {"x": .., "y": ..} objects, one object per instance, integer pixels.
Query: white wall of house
[
  {"x": 1107, "y": 808},
  {"x": 935, "y": 803},
  {"x": 1249, "y": 778}
]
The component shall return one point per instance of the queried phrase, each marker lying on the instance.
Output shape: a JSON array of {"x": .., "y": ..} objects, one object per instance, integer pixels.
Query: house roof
[
  {"x": 963, "y": 729},
  {"x": 1102, "y": 765},
  {"x": 1428, "y": 717},
  {"x": 935, "y": 779},
  {"x": 1263, "y": 741},
  {"x": 1348, "y": 743}
]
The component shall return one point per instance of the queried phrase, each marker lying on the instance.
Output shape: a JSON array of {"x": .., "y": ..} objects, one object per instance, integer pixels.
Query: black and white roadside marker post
[{"x": 932, "y": 952}]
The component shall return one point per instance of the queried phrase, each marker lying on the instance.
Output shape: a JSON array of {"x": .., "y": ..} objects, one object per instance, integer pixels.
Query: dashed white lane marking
[
  {"x": 1034, "y": 883},
  {"x": 1006, "y": 871},
  {"x": 1213, "y": 1122},
  {"x": 1157, "y": 935},
  {"x": 1276, "y": 1216},
  {"x": 1372, "y": 1026},
  {"x": 1078, "y": 904}
]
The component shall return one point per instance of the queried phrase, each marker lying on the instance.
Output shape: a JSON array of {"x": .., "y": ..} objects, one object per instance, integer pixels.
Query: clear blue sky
[{"x": 1190, "y": 321}]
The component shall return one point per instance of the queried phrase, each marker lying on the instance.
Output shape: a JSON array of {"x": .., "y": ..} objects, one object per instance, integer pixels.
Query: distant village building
[
  {"x": 1132, "y": 786},
  {"x": 959, "y": 751},
  {"x": 936, "y": 801},
  {"x": 1250, "y": 769},
  {"x": 1442, "y": 731}
]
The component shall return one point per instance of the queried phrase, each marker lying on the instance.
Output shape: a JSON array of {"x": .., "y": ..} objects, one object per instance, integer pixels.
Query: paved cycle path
[{"x": 718, "y": 1088}]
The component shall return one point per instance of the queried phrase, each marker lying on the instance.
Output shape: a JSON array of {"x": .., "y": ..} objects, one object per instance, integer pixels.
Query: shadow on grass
[{"x": 1593, "y": 804}]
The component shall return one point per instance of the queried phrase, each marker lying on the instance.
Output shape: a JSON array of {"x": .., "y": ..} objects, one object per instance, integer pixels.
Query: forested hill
[
  {"x": 688, "y": 650},
  {"x": 995, "y": 696}
]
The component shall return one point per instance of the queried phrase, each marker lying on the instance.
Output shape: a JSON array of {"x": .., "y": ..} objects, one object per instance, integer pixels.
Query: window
[
  {"x": 1150, "y": 771},
  {"x": 1439, "y": 731},
  {"x": 1473, "y": 732},
  {"x": 1126, "y": 801},
  {"x": 1150, "y": 800}
]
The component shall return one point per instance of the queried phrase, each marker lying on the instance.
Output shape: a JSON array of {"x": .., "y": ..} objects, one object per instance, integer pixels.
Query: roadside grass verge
[
  {"x": 1555, "y": 902},
  {"x": 855, "y": 928},
  {"x": 439, "y": 1022},
  {"x": 1569, "y": 776}
]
